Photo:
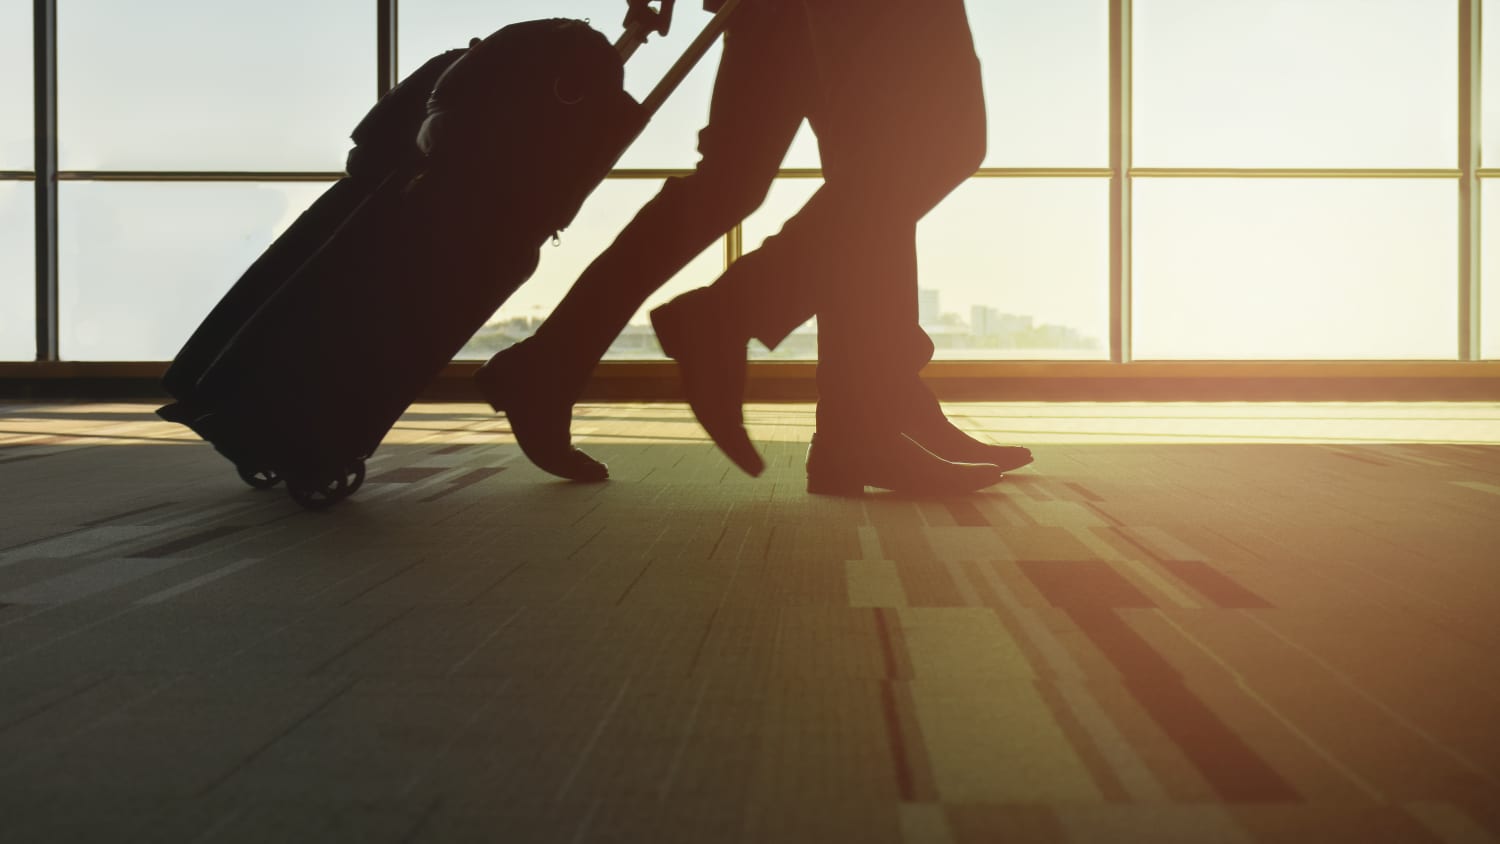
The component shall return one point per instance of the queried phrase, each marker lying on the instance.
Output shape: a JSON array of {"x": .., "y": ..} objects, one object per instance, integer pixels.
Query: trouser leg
[
  {"x": 757, "y": 105},
  {"x": 852, "y": 261}
]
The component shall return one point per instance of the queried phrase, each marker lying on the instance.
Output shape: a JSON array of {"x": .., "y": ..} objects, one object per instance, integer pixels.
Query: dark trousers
[{"x": 899, "y": 124}]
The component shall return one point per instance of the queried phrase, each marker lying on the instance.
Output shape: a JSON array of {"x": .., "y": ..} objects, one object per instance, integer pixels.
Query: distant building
[
  {"x": 929, "y": 306},
  {"x": 987, "y": 328},
  {"x": 985, "y": 321}
]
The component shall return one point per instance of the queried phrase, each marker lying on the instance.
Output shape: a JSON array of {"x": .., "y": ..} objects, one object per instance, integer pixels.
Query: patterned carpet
[{"x": 1195, "y": 623}]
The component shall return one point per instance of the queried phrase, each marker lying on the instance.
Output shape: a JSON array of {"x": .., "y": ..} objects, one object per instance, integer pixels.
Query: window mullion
[
  {"x": 44, "y": 47},
  {"x": 1469, "y": 193},
  {"x": 1119, "y": 192},
  {"x": 387, "y": 74}
]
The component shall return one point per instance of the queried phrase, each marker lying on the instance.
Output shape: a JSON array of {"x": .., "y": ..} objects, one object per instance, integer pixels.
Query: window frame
[{"x": 1120, "y": 173}]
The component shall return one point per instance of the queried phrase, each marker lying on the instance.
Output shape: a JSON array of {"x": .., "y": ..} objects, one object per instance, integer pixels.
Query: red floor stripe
[
  {"x": 1215, "y": 585},
  {"x": 1231, "y": 767}
]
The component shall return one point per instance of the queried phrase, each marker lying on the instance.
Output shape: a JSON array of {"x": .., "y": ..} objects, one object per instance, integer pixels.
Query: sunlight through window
[
  {"x": 17, "y": 274},
  {"x": 214, "y": 86},
  {"x": 16, "y": 150},
  {"x": 1295, "y": 83},
  {"x": 1295, "y": 268},
  {"x": 142, "y": 263},
  {"x": 1012, "y": 266}
]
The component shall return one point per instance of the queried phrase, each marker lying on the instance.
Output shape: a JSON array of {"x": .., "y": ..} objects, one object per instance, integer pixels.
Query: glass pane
[
  {"x": 1046, "y": 81},
  {"x": 1018, "y": 269},
  {"x": 1489, "y": 272},
  {"x": 1009, "y": 268},
  {"x": 275, "y": 85},
  {"x": 141, "y": 264},
  {"x": 1489, "y": 91},
  {"x": 1295, "y": 269},
  {"x": 603, "y": 216},
  {"x": 428, "y": 27},
  {"x": 1295, "y": 83},
  {"x": 17, "y": 272},
  {"x": 16, "y": 116}
]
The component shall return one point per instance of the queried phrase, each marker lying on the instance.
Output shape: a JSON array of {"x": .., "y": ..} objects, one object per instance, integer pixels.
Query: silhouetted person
[{"x": 881, "y": 86}]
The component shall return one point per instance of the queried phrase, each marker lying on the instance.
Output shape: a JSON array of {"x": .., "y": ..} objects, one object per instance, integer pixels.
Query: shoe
[
  {"x": 696, "y": 330},
  {"x": 949, "y": 442},
  {"x": 923, "y": 419},
  {"x": 515, "y": 385},
  {"x": 895, "y": 462}
]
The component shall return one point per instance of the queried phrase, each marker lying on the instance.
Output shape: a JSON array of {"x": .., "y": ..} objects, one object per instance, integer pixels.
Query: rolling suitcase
[
  {"x": 519, "y": 130},
  {"x": 385, "y": 140}
]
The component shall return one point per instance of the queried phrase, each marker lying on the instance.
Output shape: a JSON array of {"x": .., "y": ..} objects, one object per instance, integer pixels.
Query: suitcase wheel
[
  {"x": 354, "y": 477},
  {"x": 259, "y": 478},
  {"x": 320, "y": 495}
]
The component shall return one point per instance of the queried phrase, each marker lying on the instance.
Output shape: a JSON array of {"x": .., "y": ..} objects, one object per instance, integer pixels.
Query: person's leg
[
  {"x": 908, "y": 127},
  {"x": 849, "y": 253},
  {"x": 862, "y": 410},
  {"x": 886, "y": 386},
  {"x": 757, "y": 105}
]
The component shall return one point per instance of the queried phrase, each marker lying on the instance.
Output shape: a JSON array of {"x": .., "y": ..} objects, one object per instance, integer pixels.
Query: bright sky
[{"x": 1284, "y": 268}]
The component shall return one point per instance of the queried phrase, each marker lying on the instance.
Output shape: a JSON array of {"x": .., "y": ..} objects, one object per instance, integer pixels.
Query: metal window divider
[
  {"x": 44, "y": 78},
  {"x": 1120, "y": 129},
  {"x": 1470, "y": 193}
]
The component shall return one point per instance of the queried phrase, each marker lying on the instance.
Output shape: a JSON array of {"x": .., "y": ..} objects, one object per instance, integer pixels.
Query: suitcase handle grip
[{"x": 640, "y": 22}]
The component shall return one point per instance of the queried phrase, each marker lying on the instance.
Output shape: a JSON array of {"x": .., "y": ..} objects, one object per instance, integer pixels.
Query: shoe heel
[{"x": 842, "y": 487}]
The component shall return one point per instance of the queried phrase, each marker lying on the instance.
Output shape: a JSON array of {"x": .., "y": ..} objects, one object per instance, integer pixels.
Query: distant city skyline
[{"x": 988, "y": 332}]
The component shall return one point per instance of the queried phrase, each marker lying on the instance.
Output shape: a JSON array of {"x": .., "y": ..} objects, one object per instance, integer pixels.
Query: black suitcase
[
  {"x": 385, "y": 140},
  {"x": 303, "y": 368}
]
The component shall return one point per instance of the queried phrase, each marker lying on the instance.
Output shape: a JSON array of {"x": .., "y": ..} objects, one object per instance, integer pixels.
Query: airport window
[
  {"x": 17, "y": 284},
  {"x": 1295, "y": 183},
  {"x": 1295, "y": 83},
  {"x": 1046, "y": 81},
  {"x": 1022, "y": 269},
  {"x": 1490, "y": 274},
  {"x": 17, "y": 208},
  {"x": 1012, "y": 269},
  {"x": 273, "y": 86},
  {"x": 1294, "y": 193},
  {"x": 1295, "y": 268},
  {"x": 1490, "y": 90},
  {"x": 16, "y": 152},
  {"x": 143, "y": 262}
]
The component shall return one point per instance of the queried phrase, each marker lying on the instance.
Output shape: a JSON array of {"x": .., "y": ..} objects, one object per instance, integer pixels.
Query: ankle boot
[
  {"x": 516, "y": 382},
  {"x": 948, "y": 441},
  {"x": 699, "y": 331},
  {"x": 845, "y": 465}
]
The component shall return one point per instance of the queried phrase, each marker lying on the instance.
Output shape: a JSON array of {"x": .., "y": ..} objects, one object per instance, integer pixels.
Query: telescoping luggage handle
[
  {"x": 644, "y": 21},
  {"x": 640, "y": 22}
]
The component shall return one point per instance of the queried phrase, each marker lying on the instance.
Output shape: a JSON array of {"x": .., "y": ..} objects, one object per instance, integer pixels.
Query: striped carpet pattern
[{"x": 1194, "y": 623}]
